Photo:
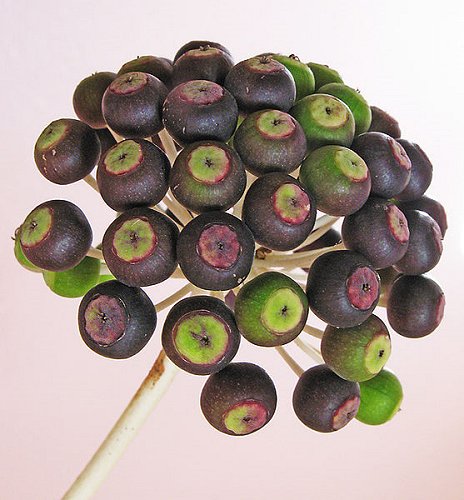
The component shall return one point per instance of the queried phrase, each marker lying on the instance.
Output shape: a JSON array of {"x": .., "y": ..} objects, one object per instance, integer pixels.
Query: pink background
[{"x": 59, "y": 399}]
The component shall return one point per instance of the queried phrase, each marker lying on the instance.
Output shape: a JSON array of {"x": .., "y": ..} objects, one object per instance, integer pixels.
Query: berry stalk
[{"x": 290, "y": 361}]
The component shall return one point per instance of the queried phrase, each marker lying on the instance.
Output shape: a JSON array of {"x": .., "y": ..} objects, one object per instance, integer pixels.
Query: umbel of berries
[{"x": 217, "y": 171}]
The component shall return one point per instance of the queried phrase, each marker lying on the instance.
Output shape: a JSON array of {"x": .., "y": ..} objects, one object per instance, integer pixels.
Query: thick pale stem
[
  {"x": 325, "y": 220},
  {"x": 177, "y": 209},
  {"x": 290, "y": 361},
  {"x": 308, "y": 349},
  {"x": 90, "y": 179},
  {"x": 315, "y": 332},
  {"x": 172, "y": 299},
  {"x": 144, "y": 401},
  {"x": 95, "y": 253},
  {"x": 168, "y": 145}
]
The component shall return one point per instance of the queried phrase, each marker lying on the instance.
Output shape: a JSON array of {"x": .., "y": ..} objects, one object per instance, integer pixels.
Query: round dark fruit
[
  {"x": 159, "y": 67},
  {"x": 87, "y": 98},
  {"x": 215, "y": 251},
  {"x": 323, "y": 401},
  {"x": 425, "y": 245},
  {"x": 200, "y": 335},
  {"x": 107, "y": 140},
  {"x": 354, "y": 100},
  {"x": 198, "y": 44},
  {"x": 133, "y": 173},
  {"x": 200, "y": 110},
  {"x": 115, "y": 320},
  {"x": 379, "y": 230},
  {"x": 74, "y": 282},
  {"x": 206, "y": 176},
  {"x": 132, "y": 105},
  {"x": 271, "y": 309},
  {"x": 261, "y": 83},
  {"x": 204, "y": 63},
  {"x": 56, "y": 235},
  {"x": 239, "y": 400},
  {"x": 66, "y": 151},
  {"x": 415, "y": 306},
  {"x": 270, "y": 141},
  {"x": 421, "y": 172},
  {"x": 381, "y": 398},
  {"x": 383, "y": 122},
  {"x": 279, "y": 211},
  {"x": 324, "y": 75},
  {"x": 139, "y": 247},
  {"x": 429, "y": 206},
  {"x": 325, "y": 120},
  {"x": 342, "y": 288},
  {"x": 302, "y": 74},
  {"x": 338, "y": 178},
  {"x": 357, "y": 353},
  {"x": 387, "y": 160}
]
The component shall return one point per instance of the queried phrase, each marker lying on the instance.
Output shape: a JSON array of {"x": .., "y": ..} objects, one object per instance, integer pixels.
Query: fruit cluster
[{"x": 217, "y": 172}]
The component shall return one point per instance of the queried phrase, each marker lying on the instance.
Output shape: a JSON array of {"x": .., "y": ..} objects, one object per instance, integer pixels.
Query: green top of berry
[
  {"x": 36, "y": 227},
  {"x": 328, "y": 111},
  {"x": 291, "y": 204},
  {"x": 201, "y": 92},
  {"x": 52, "y": 135},
  {"x": 123, "y": 157},
  {"x": 209, "y": 164},
  {"x": 135, "y": 240},
  {"x": 275, "y": 124},
  {"x": 129, "y": 83}
]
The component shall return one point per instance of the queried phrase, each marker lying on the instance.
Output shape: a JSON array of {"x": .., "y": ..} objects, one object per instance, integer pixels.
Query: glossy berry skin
[
  {"x": 239, "y": 400},
  {"x": 87, "y": 98},
  {"x": 379, "y": 231},
  {"x": 216, "y": 251},
  {"x": 200, "y": 110},
  {"x": 425, "y": 244},
  {"x": 115, "y": 320},
  {"x": 301, "y": 73},
  {"x": 421, "y": 172},
  {"x": 198, "y": 44},
  {"x": 430, "y": 206},
  {"x": 204, "y": 63},
  {"x": 270, "y": 141},
  {"x": 385, "y": 123},
  {"x": 56, "y": 235},
  {"x": 261, "y": 83},
  {"x": 324, "y": 75},
  {"x": 207, "y": 176},
  {"x": 139, "y": 247},
  {"x": 159, "y": 67},
  {"x": 415, "y": 306},
  {"x": 323, "y": 401},
  {"x": 279, "y": 211},
  {"x": 107, "y": 140},
  {"x": 133, "y": 173},
  {"x": 200, "y": 335},
  {"x": 66, "y": 151},
  {"x": 132, "y": 105},
  {"x": 387, "y": 160},
  {"x": 342, "y": 288}
]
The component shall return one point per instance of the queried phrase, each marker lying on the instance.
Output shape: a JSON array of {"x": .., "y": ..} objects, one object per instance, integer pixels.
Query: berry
[
  {"x": 324, "y": 75},
  {"x": 239, "y": 400},
  {"x": 381, "y": 398},
  {"x": 200, "y": 335},
  {"x": 383, "y": 122},
  {"x": 302, "y": 74},
  {"x": 279, "y": 211},
  {"x": 116, "y": 321},
  {"x": 133, "y": 173},
  {"x": 56, "y": 235},
  {"x": 198, "y": 44},
  {"x": 270, "y": 141},
  {"x": 379, "y": 230},
  {"x": 107, "y": 140},
  {"x": 206, "y": 176},
  {"x": 20, "y": 257},
  {"x": 415, "y": 306},
  {"x": 159, "y": 67},
  {"x": 338, "y": 178},
  {"x": 87, "y": 98},
  {"x": 323, "y": 401},
  {"x": 200, "y": 110},
  {"x": 139, "y": 247},
  {"x": 261, "y": 83},
  {"x": 429, "y": 206},
  {"x": 66, "y": 151},
  {"x": 342, "y": 288},
  {"x": 357, "y": 353},
  {"x": 216, "y": 251},
  {"x": 132, "y": 105},
  {"x": 325, "y": 120},
  {"x": 271, "y": 309}
]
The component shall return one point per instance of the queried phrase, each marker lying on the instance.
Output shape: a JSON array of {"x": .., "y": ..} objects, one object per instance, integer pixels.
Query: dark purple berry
[
  {"x": 198, "y": 44},
  {"x": 383, "y": 122},
  {"x": 159, "y": 67},
  {"x": 429, "y": 206}
]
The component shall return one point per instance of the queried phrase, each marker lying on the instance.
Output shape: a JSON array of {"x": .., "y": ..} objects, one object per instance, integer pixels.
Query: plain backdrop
[{"x": 58, "y": 399}]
